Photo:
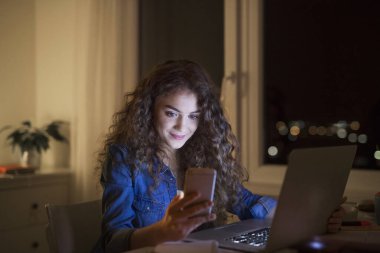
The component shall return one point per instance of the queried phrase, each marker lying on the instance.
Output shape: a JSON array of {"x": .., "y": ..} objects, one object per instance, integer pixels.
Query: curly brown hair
[{"x": 213, "y": 144}]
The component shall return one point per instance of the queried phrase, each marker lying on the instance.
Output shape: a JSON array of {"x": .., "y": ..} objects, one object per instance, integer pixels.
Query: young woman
[{"x": 171, "y": 122}]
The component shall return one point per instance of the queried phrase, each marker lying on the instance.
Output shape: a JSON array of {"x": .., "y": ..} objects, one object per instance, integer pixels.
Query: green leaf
[
  {"x": 53, "y": 130},
  {"x": 5, "y": 128},
  {"x": 26, "y": 137}
]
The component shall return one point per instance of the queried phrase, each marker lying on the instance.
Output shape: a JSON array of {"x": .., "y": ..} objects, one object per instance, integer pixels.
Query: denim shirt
[{"x": 128, "y": 203}]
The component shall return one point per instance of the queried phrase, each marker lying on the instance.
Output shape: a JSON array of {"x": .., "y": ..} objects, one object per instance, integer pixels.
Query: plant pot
[{"x": 30, "y": 158}]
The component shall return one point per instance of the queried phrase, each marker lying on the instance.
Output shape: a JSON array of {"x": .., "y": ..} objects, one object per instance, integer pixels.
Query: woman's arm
[
  {"x": 253, "y": 206},
  {"x": 257, "y": 206},
  {"x": 181, "y": 217}
]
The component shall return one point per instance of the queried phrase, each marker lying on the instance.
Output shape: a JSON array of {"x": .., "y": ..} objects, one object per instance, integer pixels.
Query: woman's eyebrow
[{"x": 175, "y": 109}]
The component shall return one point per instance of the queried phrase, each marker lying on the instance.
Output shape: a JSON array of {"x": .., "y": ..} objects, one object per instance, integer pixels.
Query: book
[{"x": 16, "y": 169}]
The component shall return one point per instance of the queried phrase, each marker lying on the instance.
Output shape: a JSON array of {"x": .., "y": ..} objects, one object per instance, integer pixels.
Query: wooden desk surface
[{"x": 351, "y": 239}]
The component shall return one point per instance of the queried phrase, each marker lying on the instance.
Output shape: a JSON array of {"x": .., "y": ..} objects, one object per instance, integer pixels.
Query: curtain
[{"x": 105, "y": 68}]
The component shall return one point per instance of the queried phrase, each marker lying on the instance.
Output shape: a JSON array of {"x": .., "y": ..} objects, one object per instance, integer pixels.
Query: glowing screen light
[{"x": 317, "y": 245}]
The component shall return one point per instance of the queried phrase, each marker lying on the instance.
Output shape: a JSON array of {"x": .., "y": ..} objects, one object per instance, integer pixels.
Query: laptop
[{"x": 312, "y": 189}]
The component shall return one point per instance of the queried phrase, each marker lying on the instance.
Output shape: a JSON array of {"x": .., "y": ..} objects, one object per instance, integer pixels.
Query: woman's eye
[
  {"x": 170, "y": 114},
  {"x": 194, "y": 116}
]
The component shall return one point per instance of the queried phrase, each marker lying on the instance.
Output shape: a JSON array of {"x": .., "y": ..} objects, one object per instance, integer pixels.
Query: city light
[
  {"x": 362, "y": 138},
  {"x": 341, "y": 124},
  {"x": 352, "y": 137},
  {"x": 355, "y": 125},
  {"x": 377, "y": 155},
  {"x": 341, "y": 133},
  {"x": 272, "y": 151},
  {"x": 312, "y": 130},
  {"x": 282, "y": 128},
  {"x": 321, "y": 130},
  {"x": 340, "y": 129},
  {"x": 295, "y": 130}
]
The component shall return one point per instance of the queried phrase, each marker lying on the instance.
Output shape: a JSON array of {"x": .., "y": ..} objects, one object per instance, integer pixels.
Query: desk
[
  {"x": 342, "y": 242},
  {"x": 350, "y": 239},
  {"x": 358, "y": 241}
]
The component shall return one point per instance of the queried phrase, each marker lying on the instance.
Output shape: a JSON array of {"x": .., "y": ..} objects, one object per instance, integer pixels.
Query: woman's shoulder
[
  {"x": 116, "y": 169},
  {"x": 118, "y": 149}
]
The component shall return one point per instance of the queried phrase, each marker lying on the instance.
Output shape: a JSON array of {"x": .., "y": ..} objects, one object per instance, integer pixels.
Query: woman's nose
[{"x": 179, "y": 123}]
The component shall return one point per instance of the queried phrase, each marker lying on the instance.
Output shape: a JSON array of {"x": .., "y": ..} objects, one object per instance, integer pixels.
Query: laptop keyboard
[{"x": 255, "y": 238}]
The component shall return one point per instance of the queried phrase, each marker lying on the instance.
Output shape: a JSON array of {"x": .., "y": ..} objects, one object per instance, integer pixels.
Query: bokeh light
[
  {"x": 362, "y": 138},
  {"x": 352, "y": 137},
  {"x": 321, "y": 130},
  {"x": 355, "y": 125},
  {"x": 295, "y": 130},
  {"x": 312, "y": 130},
  {"x": 272, "y": 151},
  {"x": 341, "y": 133},
  {"x": 377, "y": 155}
]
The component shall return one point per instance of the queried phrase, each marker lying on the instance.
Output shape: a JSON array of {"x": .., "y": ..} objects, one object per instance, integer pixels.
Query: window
[{"x": 321, "y": 77}]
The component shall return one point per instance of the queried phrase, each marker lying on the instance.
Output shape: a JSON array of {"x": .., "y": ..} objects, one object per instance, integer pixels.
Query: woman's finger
[
  {"x": 179, "y": 230},
  {"x": 193, "y": 210},
  {"x": 174, "y": 202},
  {"x": 185, "y": 201},
  {"x": 195, "y": 222},
  {"x": 197, "y": 208}
]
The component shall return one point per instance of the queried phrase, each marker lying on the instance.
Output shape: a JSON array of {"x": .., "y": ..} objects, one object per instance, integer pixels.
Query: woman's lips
[{"x": 178, "y": 136}]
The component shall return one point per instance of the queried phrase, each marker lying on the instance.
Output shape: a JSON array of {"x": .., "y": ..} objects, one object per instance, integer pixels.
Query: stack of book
[{"x": 15, "y": 169}]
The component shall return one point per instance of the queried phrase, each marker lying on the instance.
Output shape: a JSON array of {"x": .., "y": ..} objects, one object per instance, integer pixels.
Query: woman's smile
[{"x": 178, "y": 137}]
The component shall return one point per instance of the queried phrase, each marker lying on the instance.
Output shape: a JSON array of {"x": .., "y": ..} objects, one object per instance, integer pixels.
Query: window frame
[{"x": 242, "y": 95}]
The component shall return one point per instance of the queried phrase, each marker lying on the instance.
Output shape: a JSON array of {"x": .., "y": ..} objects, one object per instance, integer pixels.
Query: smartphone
[{"x": 201, "y": 180}]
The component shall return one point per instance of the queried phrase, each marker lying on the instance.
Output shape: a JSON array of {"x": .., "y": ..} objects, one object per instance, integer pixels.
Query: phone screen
[{"x": 201, "y": 180}]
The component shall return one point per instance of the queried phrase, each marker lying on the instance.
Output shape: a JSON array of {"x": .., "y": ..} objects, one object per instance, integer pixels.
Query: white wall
[
  {"x": 36, "y": 68},
  {"x": 17, "y": 67},
  {"x": 55, "y": 70}
]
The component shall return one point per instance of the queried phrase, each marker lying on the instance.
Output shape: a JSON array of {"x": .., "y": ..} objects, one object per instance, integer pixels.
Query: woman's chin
[{"x": 177, "y": 145}]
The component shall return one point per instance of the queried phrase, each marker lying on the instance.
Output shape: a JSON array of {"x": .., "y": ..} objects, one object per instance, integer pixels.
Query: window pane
[{"x": 322, "y": 77}]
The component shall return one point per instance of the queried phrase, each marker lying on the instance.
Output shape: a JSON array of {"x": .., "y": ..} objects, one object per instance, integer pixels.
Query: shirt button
[{"x": 148, "y": 208}]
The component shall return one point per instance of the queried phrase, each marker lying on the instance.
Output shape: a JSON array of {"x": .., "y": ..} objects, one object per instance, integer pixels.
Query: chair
[{"x": 73, "y": 228}]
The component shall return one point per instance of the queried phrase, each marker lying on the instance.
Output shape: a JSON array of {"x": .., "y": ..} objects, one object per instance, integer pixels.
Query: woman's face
[{"x": 176, "y": 118}]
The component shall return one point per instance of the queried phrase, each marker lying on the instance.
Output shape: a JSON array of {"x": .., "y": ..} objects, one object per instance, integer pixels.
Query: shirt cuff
[
  {"x": 264, "y": 206},
  {"x": 120, "y": 241}
]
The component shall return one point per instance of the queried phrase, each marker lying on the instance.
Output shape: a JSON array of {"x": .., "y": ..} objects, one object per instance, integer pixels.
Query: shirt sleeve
[
  {"x": 117, "y": 201},
  {"x": 253, "y": 206}
]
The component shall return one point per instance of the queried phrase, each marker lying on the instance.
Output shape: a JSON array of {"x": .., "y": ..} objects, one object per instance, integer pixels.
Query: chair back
[{"x": 73, "y": 228}]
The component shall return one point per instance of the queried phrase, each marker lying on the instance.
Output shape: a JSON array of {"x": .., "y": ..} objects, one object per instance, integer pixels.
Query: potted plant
[{"x": 31, "y": 141}]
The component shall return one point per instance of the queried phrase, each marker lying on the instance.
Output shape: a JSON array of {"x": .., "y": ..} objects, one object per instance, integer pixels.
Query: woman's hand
[
  {"x": 334, "y": 222},
  {"x": 183, "y": 216}
]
